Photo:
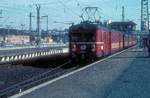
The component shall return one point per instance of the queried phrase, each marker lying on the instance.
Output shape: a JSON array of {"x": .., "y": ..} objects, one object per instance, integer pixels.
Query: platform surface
[{"x": 126, "y": 75}]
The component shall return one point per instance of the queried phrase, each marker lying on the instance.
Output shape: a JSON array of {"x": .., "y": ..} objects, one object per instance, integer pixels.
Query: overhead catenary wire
[
  {"x": 61, "y": 2},
  {"x": 64, "y": 10}
]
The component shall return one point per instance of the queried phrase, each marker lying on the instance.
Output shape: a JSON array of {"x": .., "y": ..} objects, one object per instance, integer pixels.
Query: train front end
[{"x": 82, "y": 42}]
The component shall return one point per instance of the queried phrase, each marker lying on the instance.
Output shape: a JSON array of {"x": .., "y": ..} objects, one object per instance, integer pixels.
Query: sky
[{"x": 16, "y": 12}]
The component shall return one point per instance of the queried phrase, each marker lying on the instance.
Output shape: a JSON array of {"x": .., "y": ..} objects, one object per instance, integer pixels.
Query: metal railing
[
  {"x": 31, "y": 46},
  {"x": 29, "y": 49}
]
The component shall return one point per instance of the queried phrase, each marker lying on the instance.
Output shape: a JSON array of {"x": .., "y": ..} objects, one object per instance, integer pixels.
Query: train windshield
[{"x": 82, "y": 37}]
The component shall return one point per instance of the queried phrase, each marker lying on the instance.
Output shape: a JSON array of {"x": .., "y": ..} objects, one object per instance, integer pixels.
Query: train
[{"x": 89, "y": 41}]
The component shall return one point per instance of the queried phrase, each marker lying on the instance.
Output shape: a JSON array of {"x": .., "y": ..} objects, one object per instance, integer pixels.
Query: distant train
[{"x": 89, "y": 41}]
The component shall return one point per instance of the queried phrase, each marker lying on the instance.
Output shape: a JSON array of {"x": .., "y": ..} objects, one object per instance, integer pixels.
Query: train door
[
  {"x": 103, "y": 40},
  {"x": 99, "y": 38},
  {"x": 103, "y": 36},
  {"x": 109, "y": 43},
  {"x": 119, "y": 40},
  {"x": 128, "y": 41},
  {"x": 131, "y": 40},
  {"x": 106, "y": 43},
  {"x": 121, "y": 37},
  {"x": 123, "y": 40}
]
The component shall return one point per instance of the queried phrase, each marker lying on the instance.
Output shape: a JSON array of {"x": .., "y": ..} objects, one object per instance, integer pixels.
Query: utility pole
[
  {"x": 123, "y": 14},
  {"x": 38, "y": 24},
  {"x": 144, "y": 21},
  {"x": 30, "y": 23}
]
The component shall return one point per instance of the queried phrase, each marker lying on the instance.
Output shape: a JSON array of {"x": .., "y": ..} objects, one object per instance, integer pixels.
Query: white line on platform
[{"x": 64, "y": 76}]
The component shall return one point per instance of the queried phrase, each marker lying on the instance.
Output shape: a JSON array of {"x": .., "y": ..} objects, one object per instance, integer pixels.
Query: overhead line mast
[
  {"x": 144, "y": 21},
  {"x": 30, "y": 23},
  {"x": 38, "y": 7},
  {"x": 123, "y": 14}
]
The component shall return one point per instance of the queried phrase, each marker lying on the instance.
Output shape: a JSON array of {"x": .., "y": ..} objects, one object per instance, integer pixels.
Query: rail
[{"x": 22, "y": 86}]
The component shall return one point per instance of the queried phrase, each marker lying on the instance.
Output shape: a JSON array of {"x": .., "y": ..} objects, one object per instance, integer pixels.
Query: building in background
[
  {"x": 129, "y": 27},
  {"x": 13, "y": 36},
  {"x": 24, "y": 37},
  {"x": 18, "y": 39}
]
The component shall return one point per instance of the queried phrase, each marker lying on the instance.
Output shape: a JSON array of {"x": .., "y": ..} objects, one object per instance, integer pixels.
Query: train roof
[
  {"x": 84, "y": 25},
  {"x": 91, "y": 26},
  {"x": 87, "y": 26},
  {"x": 124, "y": 23}
]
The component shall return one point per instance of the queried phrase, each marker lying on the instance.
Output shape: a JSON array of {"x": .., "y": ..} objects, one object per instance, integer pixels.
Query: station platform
[{"x": 122, "y": 75}]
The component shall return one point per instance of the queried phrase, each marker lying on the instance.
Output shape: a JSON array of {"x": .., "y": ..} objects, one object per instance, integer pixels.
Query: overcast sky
[{"x": 16, "y": 12}]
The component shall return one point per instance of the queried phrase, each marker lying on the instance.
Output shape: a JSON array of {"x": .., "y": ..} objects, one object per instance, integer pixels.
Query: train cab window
[
  {"x": 75, "y": 37},
  {"x": 83, "y": 37},
  {"x": 89, "y": 37}
]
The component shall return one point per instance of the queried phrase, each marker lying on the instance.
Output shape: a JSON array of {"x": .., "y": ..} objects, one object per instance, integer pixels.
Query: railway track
[
  {"x": 39, "y": 76},
  {"x": 42, "y": 75},
  {"x": 22, "y": 77}
]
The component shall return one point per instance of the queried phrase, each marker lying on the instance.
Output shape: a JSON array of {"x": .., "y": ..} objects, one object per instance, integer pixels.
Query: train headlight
[{"x": 102, "y": 48}]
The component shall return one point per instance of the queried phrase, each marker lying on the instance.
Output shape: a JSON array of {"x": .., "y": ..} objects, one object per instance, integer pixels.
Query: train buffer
[{"x": 122, "y": 75}]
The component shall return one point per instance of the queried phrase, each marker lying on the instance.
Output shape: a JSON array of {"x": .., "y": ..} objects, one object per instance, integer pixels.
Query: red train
[{"x": 89, "y": 41}]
